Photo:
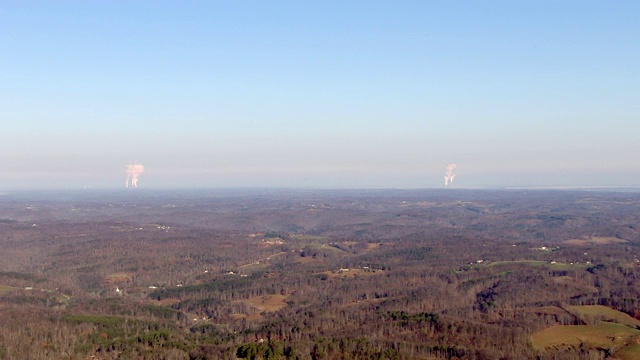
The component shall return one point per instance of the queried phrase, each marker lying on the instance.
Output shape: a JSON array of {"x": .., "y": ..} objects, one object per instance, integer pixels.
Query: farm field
[
  {"x": 604, "y": 335},
  {"x": 603, "y": 313},
  {"x": 594, "y": 241},
  {"x": 548, "y": 264}
]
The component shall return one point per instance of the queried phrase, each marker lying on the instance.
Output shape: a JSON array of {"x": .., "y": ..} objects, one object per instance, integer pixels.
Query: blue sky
[{"x": 319, "y": 93}]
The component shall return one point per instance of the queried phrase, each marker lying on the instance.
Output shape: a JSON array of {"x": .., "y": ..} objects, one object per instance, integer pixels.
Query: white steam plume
[
  {"x": 449, "y": 175},
  {"x": 133, "y": 172}
]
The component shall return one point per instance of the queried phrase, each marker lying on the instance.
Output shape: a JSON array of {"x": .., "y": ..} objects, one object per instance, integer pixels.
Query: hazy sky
[{"x": 319, "y": 93}]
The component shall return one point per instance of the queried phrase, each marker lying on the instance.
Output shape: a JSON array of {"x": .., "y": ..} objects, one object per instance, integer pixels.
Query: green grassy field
[
  {"x": 617, "y": 331},
  {"x": 525, "y": 262},
  {"x": 605, "y": 335},
  {"x": 603, "y": 313},
  {"x": 555, "y": 266},
  {"x": 631, "y": 352}
]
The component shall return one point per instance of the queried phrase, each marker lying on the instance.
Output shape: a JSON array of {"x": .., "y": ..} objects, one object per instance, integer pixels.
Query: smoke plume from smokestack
[
  {"x": 133, "y": 172},
  {"x": 449, "y": 175}
]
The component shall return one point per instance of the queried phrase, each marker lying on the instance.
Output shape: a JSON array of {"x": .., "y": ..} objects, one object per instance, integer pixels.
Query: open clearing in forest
[
  {"x": 603, "y": 313},
  {"x": 165, "y": 302},
  {"x": 321, "y": 246},
  {"x": 309, "y": 237},
  {"x": 525, "y": 262},
  {"x": 594, "y": 240},
  {"x": 268, "y": 303},
  {"x": 551, "y": 265},
  {"x": 373, "y": 246},
  {"x": 352, "y": 273},
  {"x": 118, "y": 277},
  {"x": 605, "y": 336},
  {"x": 6, "y": 289}
]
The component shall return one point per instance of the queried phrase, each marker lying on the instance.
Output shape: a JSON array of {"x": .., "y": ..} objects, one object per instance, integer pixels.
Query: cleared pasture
[
  {"x": 524, "y": 262},
  {"x": 603, "y": 313},
  {"x": 594, "y": 240},
  {"x": 6, "y": 289},
  {"x": 551, "y": 265},
  {"x": 631, "y": 352},
  {"x": 352, "y": 273},
  {"x": 269, "y": 303},
  {"x": 119, "y": 277},
  {"x": 605, "y": 336}
]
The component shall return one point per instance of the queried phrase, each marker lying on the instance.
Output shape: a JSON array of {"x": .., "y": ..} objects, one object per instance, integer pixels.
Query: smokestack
[
  {"x": 449, "y": 175},
  {"x": 133, "y": 172}
]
